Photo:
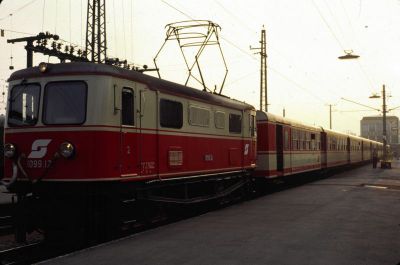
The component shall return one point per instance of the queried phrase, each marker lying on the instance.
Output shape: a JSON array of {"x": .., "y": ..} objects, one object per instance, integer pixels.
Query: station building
[{"x": 372, "y": 128}]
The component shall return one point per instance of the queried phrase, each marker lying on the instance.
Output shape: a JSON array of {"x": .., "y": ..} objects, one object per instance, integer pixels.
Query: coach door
[
  {"x": 279, "y": 148},
  {"x": 287, "y": 153},
  {"x": 324, "y": 147},
  {"x": 362, "y": 150},
  {"x": 348, "y": 150},
  {"x": 130, "y": 133}
]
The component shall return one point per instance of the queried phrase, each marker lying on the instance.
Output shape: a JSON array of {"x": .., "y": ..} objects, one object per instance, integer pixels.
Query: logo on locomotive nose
[{"x": 39, "y": 148}]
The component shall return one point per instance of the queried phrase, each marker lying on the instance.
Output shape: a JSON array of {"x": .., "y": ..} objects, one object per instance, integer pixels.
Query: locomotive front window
[
  {"x": 24, "y": 105},
  {"x": 65, "y": 102}
]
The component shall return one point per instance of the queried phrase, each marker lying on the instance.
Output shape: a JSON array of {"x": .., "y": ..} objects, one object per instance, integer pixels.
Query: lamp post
[{"x": 385, "y": 162}]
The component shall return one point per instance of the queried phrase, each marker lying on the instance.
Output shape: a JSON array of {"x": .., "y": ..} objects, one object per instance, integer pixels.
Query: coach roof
[{"x": 153, "y": 83}]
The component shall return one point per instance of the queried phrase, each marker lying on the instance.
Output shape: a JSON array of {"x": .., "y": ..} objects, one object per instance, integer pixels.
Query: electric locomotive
[{"x": 82, "y": 140}]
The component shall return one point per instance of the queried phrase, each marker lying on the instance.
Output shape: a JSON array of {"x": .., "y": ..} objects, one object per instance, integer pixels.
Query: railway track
[
  {"x": 31, "y": 253},
  {"x": 6, "y": 219}
]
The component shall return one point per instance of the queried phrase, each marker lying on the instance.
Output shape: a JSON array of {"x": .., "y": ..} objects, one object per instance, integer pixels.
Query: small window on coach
[
  {"x": 24, "y": 105},
  {"x": 128, "y": 114},
  {"x": 65, "y": 102},
  {"x": 171, "y": 114},
  {"x": 286, "y": 140}
]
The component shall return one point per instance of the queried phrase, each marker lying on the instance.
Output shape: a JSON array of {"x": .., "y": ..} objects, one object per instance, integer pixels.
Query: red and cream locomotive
[{"x": 85, "y": 134}]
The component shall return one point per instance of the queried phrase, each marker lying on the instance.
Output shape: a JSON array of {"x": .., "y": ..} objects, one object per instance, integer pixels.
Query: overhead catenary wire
[
  {"x": 358, "y": 44},
  {"x": 337, "y": 39},
  {"x": 18, "y": 9},
  {"x": 131, "y": 42},
  {"x": 123, "y": 26},
  {"x": 81, "y": 37},
  {"x": 43, "y": 14},
  {"x": 55, "y": 18},
  {"x": 334, "y": 19},
  {"x": 70, "y": 21},
  {"x": 269, "y": 46},
  {"x": 115, "y": 30},
  {"x": 242, "y": 23},
  {"x": 327, "y": 25}
]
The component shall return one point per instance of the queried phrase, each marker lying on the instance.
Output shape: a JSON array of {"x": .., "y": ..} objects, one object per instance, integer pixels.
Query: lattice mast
[
  {"x": 96, "y": 41},
  {"x": 263, "y": 73}
]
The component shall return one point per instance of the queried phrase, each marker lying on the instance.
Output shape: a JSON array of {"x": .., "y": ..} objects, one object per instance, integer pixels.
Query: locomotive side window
[
  {"x": 199, "y": 116},
  {"x": 65, "y": 102},
  {"x": 24, "y": 105},
  {"x": 128, "y": 116},
  {"x": 219, "y": 119},
  {"x": 253, "y": 127},
  {"x": 171, "y": 114},
  {"x": 235, "y": 123}
]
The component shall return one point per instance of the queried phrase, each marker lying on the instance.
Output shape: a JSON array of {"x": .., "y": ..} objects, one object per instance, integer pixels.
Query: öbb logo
[{"x": 39, "y": 148}]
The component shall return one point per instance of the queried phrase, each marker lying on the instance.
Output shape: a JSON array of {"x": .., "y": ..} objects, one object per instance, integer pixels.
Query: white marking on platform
[{"x": 375, "y": 187}]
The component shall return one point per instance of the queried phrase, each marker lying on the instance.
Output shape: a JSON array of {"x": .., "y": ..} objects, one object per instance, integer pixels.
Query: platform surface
[{"x": 350, "y": 218}]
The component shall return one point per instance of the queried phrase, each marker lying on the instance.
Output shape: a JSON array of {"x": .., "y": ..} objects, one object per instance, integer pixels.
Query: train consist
[{"x": 89, "y": 146}]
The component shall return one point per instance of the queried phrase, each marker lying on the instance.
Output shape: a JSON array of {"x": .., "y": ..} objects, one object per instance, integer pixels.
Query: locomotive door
[
  {"x": 279, "y": 148},
  {"x": 130, "y": 134}
]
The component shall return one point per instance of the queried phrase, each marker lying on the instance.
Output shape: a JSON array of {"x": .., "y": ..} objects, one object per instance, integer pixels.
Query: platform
[{"x": 350, "y": 218}]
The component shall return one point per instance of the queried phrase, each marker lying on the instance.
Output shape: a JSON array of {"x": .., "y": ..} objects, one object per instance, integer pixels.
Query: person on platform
[{"x": 374, "y": 158}]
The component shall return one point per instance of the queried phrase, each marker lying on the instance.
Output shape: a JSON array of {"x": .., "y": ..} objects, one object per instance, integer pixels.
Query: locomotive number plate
[{"x": 38, "y": 163}]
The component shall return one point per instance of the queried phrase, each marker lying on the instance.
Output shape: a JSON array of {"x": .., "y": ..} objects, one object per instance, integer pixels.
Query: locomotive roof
[{"x": 85, "y": 68}]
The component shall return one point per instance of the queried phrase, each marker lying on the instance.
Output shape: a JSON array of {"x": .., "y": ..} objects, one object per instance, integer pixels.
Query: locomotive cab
[{"x": 51, "y": 129}]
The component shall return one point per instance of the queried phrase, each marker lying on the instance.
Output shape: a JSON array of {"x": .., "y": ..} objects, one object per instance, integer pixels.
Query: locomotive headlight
[
  {"x": 9, "y": 150},
  {"x": 67, "y": 150},
  {"x": 43, "y": 67}
]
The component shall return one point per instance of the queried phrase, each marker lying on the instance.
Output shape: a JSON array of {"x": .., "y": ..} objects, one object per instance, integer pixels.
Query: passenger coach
[{"x": 286, "y": 147}]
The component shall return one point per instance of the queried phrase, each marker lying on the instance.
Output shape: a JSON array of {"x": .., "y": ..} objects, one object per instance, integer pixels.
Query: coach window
[
  {"x": 128, "y": 110},
  {"x": 235, "y": 123},
  {"x": 313, "y": 147},
  {"x": 24, "y": 105},
  {"x": 65, "y": 102},
  {"x": 294, "y": 137},
  {"x": 171, "y": 114},
  {"x": 286, "y": 140}
]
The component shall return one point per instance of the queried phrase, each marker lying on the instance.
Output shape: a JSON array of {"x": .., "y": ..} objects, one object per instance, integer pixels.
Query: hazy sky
[{"x": 304, "y": 39}]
